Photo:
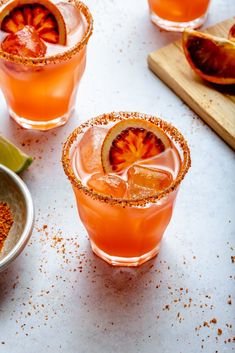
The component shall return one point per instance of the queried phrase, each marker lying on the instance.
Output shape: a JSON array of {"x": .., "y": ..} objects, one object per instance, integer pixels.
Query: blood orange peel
[
  {"x": 42, "y": 15},
  {"x": 231, "y": 35},
  {"x": 211, "y": 57},
  {"x": 129, "y": 141}
]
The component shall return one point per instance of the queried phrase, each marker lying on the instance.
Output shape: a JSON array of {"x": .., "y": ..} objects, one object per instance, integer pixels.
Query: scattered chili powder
[
  {"x": 213, "y": 321},
  {"x": 6, "y": 222},
  {"x": 206, "y": 324}
]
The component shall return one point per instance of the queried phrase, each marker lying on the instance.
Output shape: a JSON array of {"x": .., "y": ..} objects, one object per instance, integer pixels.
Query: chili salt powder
[{"x": 6, "y": 222}]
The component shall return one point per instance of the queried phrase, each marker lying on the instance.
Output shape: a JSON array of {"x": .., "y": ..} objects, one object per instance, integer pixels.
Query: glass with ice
[
  {"x": 42, "y": 59},
  {"x": 125, "y": 170}
]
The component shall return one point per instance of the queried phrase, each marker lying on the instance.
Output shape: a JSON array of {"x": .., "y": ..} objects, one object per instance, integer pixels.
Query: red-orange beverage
[
  {"x": 42, "y": 59},
  {"x": 125, "y": 197},
  {"x": 178, "y": 14}
]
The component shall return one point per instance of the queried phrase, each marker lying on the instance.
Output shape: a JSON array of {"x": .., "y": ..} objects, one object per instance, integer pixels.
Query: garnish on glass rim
[
  {"x": 129, "y": 141},
  {"x": 42, "y": 15}
]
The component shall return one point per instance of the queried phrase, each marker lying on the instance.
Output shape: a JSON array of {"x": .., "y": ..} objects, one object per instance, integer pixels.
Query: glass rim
[
  {"x": 104, "y": 119},
  {"x": 60, "y": 57}
]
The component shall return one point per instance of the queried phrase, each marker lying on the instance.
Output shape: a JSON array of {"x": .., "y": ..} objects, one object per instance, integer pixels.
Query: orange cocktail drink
[
  {"x": 178, "y": 14},
  {"x": 125, "y": 170},
  {"x": 42, "y": 59}
]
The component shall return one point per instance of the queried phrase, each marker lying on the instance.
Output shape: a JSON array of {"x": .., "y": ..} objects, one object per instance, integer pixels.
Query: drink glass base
[
  {"x": 39, "y": 125},
  {"x": 176, "y": 26},
  {"x": 124, "y": 261}
]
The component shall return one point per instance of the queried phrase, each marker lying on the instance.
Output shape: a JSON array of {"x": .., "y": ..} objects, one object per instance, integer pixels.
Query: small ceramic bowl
[{"x": 15, "y": 193}]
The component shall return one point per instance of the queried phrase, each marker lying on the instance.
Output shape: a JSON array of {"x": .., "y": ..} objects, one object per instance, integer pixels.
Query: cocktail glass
[
  {"x": 175, "y": 15},
  {"x": 123, "y": 231},
  {"x": 41, "y": 92}
]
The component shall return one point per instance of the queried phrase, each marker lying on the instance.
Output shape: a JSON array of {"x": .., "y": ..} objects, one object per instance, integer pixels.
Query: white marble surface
[{"x": 55, "y": 300}]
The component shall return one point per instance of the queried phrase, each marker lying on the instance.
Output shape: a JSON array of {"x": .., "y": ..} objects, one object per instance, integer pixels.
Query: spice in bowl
[{"x": 6, "y": 222}]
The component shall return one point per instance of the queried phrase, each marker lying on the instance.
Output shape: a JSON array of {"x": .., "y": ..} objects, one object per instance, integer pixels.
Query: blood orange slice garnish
[
  {"x": 129, "y": 141},
  {"x": 211, "y": 57},
  {"x": 42, "y": 15}
]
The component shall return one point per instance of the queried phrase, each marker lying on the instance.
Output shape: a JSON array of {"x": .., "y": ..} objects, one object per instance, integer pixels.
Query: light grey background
[{"x": 61, "y": 298}]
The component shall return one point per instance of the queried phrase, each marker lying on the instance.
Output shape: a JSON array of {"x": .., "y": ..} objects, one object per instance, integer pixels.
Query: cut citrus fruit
[
  {"x": 231, "y": 35},
  {"x": 25, "y": 42},
  {"x": 43, "y": 15},
  {"x": 129, "y": 141},
  {"x": 211, "y": 57},
  {"x": 12, "y": 157}
]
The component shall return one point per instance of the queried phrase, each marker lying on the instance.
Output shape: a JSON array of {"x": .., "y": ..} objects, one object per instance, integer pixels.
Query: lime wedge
[{"x": 12, "y": 157}]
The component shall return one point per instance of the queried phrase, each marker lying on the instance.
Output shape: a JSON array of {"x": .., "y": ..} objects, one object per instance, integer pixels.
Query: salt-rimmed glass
[
  {"x": 119, "y": 223},
  {"x": 40, "y": 92}
]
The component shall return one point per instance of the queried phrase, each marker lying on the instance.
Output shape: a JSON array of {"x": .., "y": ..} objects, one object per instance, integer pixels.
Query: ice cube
[
  {"x": 72, "y": 17},
  {"x": 168, "y": 160},
  {"x": 143, "y": 181},
  {"x": 90, "y": 149},
  {"x": 107, "y": 184},
  {"x": 25, "y": 43}
]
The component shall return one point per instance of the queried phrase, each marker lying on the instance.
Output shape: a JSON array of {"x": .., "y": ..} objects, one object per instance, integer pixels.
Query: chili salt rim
[
  {"x": 53, "y": 59},
  {"x": 104, "y": 119}
]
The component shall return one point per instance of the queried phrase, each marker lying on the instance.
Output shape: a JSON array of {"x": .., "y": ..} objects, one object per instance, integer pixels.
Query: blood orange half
[
  {"x": 129, "y": 141},
  {"x": 211, "y": 57},
  {"x": 42, "y": 15}
]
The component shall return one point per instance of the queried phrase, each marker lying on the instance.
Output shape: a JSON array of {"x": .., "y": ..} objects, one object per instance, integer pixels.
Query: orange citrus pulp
[
  {"x": 129, "y": 141},
  {"x": 211, "y": 57}
]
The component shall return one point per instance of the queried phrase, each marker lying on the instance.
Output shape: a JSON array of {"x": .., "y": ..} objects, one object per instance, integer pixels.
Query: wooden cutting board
[{"x": 215, "y": 104}]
